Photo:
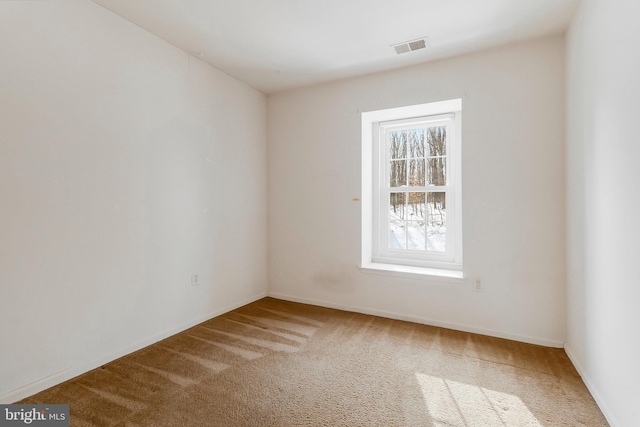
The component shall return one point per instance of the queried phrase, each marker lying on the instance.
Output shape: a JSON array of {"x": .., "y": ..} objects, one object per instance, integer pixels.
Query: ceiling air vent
[
  {"x": 402, "y": 48},
  {"x": 410, "y": 46}
]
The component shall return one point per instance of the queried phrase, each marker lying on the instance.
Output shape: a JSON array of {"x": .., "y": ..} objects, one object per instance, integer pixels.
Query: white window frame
[{"x": 375, "y": 191}]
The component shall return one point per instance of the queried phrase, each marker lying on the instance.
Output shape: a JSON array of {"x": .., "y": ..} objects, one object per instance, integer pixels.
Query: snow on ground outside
[{"x": 408, "y": 225}]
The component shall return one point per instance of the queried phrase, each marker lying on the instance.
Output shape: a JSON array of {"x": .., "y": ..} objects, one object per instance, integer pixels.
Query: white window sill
[{"x": 435, "y": 274}]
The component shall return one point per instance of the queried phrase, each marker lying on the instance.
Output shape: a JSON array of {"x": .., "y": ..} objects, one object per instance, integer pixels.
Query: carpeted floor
[{"x": 277, "y": 363}]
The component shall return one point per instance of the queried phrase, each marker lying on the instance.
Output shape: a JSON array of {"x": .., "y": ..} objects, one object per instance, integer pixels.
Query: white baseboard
[
  {"x": 67, "y": 374},
  {"x": 421, "y": 320},
  {"x": 597, "y": 396}
]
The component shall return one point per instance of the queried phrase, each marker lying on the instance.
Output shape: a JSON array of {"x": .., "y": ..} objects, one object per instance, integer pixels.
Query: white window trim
[{"x": 371, "y": 262}]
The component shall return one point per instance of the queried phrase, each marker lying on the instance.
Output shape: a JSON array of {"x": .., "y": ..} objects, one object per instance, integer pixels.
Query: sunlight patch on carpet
[
  {"x": 174, "y": 378},
  {"x": 130, "y": 404},
  {"x": 287, "y": 326},
  {"x": 294, "y": 317},
  {"x": 452, "y": 403},
  {"x": 256, "y": 341},
  {"x": 212, "y": 365},
  {"x": 285, "y": 335},
  {"x": 246, "y": 354}
]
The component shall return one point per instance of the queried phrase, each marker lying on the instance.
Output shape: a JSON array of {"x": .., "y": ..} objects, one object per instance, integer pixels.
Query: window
[{"x": 411, "y": 211}]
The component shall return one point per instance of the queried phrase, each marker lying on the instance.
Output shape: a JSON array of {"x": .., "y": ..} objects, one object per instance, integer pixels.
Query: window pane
[
  {"x": 417, "y": 212},
  {"x": 436, "y": 171},
  {"x": 436, "y": 141},
  {"x": 397, "y": 235},
  {"x": 416, "y": 206},
  {"x": 416, "y": 142},
  {"x": 397, "y": 208},
  {"x": 436, "y": 236},
  {"x": 416, "y": 235},
  {"x": 398, "y": 145},
  {"x": 416, "y": 173},
  {"x": 397, "y": 221},
  {"x": 436, "y": 206},
  {"x": 398, "y": 173},
  {"x": 436, "y": 221}
]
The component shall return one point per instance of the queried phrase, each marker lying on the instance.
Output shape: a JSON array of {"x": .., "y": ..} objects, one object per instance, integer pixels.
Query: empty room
[{"x": 306, "y": 213}]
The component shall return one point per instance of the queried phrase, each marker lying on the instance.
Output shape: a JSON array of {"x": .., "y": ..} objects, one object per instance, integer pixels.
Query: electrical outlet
[
  {"x": 195, "y": 279},
  {"x": 477, "y": 286}
]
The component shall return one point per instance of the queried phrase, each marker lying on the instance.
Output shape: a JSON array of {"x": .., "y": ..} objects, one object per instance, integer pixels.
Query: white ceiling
[{"x": 279, "y": 44}]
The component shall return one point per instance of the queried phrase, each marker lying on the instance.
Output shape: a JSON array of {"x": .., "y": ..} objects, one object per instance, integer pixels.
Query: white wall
[
  {"x": 125, "y": 165},
  {"x": 603, "y": 205},
  {"x": 513, "y": 193}
]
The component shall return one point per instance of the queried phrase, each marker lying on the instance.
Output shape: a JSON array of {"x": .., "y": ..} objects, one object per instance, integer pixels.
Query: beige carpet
[{"x": 276, "y": 363}]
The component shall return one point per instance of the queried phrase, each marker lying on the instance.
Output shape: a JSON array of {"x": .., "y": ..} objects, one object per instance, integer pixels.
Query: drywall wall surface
[
  {"x": 126, "y": 166},
  {"x": 603, "y": 204},
  {"x": 513, "y": 193}
]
